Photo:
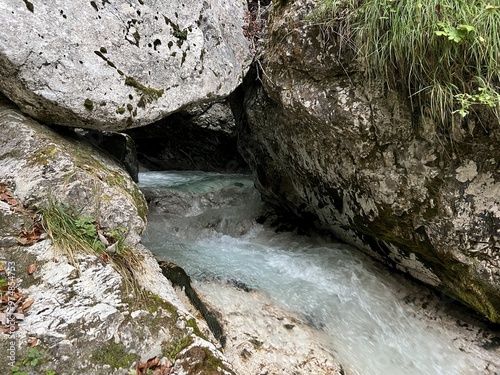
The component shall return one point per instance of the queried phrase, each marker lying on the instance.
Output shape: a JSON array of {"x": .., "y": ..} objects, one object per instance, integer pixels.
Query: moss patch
[
  {"x": 148, "y": 94},
  {"x": 172, "y": 350},
  {"x": 43, "y": 156},
  {"x": 29, "y": 5},
  {"x": 89, "y": 104},
  {"x": 114, "y": 355}
]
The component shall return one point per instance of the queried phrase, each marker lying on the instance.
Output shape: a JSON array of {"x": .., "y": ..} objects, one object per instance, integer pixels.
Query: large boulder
[
  {"x": 40, "y": 166},
  {"x": 81, "y": 311},
  {"x": 112, "y": 65},
  {"x": 328, "y": 145}
]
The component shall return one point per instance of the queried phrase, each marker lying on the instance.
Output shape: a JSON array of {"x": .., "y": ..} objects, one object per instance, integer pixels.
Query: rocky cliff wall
[{"x": 330, "y": 145}]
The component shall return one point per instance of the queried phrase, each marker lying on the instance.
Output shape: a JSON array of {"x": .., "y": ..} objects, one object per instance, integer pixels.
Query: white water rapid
[{"x": 372, "y": 322}]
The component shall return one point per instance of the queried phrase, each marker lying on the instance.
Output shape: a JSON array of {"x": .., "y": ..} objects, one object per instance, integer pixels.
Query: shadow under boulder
[{"x": 200, "y": 138}]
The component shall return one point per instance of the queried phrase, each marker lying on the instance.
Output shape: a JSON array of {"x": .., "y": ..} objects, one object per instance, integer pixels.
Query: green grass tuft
[
  {"x": 442, "y": 53},
  {"x": 73, "y": 234}
]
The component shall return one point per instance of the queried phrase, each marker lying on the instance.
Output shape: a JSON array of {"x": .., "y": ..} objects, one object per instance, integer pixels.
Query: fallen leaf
[
  {"x": 33, "y": 342},
  {"x": 27, "y": 304},
  {"x": 31, "y": 269},
  {"x": 21, "y": 240},
  {"x": 152, "y": 362}
]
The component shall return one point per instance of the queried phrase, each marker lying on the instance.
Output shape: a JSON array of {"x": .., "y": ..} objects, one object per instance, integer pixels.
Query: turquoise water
[{"x": 359, "y": 311}]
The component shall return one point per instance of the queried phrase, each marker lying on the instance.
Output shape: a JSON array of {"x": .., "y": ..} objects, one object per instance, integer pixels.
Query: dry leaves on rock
[
  {"x": 13, "y": 304},
  {"x": 155, "y": 366},
  {"x": 30, "y": 236},
  {"x": 7, "y": 197}
]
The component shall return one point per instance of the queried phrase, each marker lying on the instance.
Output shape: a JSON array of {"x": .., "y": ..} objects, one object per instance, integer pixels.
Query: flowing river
[{"x": 372, "y": 321}]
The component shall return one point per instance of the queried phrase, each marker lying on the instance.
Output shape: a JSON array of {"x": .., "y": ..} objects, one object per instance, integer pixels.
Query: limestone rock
[
  {"x": 87, "y": 314},
  {"x": 119, "y": 145},
  {"x": 39, "y": 164},
  {"x": 118, "y": 64},
  {"x": 328, "y": 145}
]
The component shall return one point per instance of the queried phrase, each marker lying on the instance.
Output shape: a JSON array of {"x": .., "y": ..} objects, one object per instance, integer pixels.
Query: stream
[{"x": 372, "y": 321}]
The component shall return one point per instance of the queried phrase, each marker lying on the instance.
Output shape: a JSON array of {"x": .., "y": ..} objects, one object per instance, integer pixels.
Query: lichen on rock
[
  {"x": 156, "y": 56},
  {"x": 86, "y": 314}
]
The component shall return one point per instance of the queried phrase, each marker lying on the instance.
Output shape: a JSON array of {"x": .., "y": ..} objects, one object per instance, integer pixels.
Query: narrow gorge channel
[{"x": 371, "y": 321}]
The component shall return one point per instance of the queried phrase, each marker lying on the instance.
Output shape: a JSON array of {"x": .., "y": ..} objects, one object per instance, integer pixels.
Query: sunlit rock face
[
  {"x": 112, "y": 65},
  {"x": 329, "y": 146}
]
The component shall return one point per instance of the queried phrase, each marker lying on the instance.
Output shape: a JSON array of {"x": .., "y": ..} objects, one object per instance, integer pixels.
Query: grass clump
[
  {"x": 73, "y": 233},
  {"x": 443, "y": 53}
]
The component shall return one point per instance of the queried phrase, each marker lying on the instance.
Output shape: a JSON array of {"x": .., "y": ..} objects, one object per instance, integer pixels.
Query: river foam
[{"x": 371, "y": 321}]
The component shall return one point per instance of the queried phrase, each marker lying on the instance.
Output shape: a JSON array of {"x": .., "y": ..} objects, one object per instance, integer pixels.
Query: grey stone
[
  {"x": 87, "y": 314},
  {"x": 331, "y": 146},
  {"x": 40, "y": 165},
  {"x": 112, "y": 65}
]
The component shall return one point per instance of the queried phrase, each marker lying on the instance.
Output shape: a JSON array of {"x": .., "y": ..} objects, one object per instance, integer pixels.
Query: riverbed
[{"x": 369, "y": 319}]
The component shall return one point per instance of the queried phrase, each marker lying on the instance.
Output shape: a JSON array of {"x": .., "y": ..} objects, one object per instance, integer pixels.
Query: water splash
[{"x": 359, "y": 310}]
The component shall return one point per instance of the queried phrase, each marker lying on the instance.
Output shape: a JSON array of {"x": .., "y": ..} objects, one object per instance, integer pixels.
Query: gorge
[{"x": 369, "y": 243}]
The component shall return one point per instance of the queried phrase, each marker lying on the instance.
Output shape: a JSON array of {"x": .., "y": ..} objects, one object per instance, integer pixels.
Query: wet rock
[
  {"x": 180, "y": 278},
  {"x": 348, "y": 154},
  {"x": 259, "y": 342},
  {"x": 116, "y": 65}
]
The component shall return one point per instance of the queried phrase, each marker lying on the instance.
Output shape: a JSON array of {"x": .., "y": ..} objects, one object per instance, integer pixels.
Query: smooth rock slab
[{"x": 114, "y": 64}]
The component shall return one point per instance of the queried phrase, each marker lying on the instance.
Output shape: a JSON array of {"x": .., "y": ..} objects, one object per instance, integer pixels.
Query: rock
[
  {"x": 259, "y": 342},
  {"x": 119, "y": 145},
  {"x": 41, "y": 165},
  {"x": 92, "y": 313},
  {"x": 197, "y": 138},
  {"x": 329, "y": 146},
  {"x": 116, "y": 65},
  {"x": 180, "y": 278}
]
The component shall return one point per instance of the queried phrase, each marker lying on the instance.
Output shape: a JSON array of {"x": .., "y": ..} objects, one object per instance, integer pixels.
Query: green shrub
[{"x": 443, "y": 53}]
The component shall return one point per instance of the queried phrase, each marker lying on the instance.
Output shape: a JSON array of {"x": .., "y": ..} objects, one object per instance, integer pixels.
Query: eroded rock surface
[
  {"x": 328, "y": 145},
  {"x": 264, "y": 339},
  {"x": 113, "y": 65},
  {"x": 95, "y": 312}
]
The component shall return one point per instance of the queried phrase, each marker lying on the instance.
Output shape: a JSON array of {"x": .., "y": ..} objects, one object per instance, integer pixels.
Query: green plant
[
  {"x": 73, "y": 233},
  {"x": 33, "y": 359},
  {"x": 171, "y": 351},
  {"x": 442, "y": 53},
  {"x": 114, "y": 355}
]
